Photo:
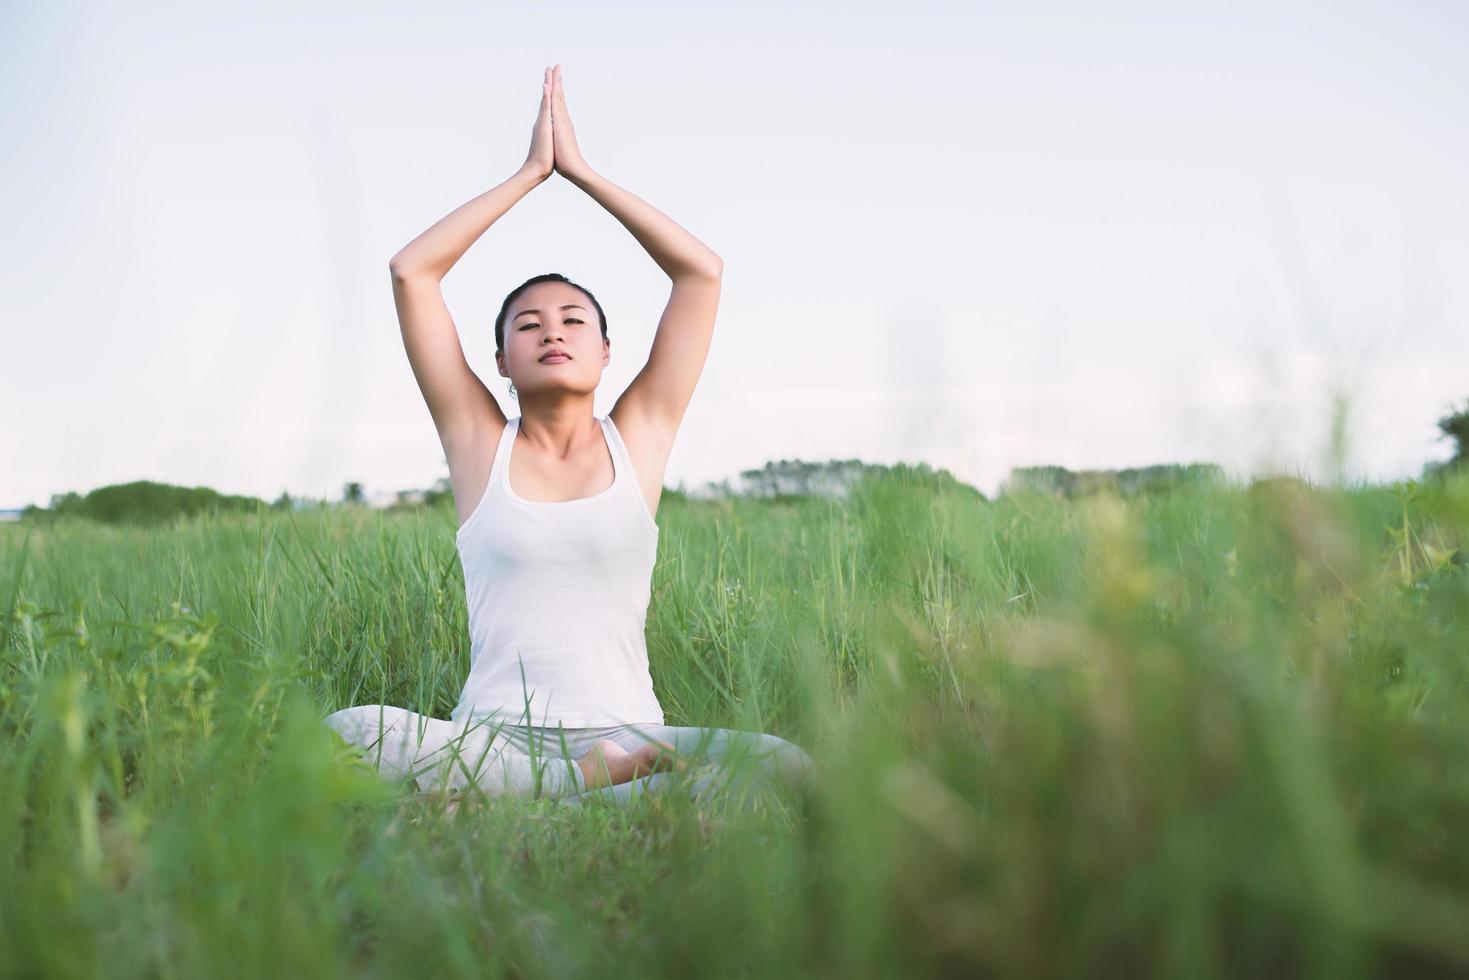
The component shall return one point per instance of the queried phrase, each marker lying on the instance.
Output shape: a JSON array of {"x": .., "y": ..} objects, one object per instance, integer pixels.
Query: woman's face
[{"x": 553, "y": 316}]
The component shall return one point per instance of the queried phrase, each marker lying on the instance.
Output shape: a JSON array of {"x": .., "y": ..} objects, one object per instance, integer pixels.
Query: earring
[{"x": 512, "y": 390}]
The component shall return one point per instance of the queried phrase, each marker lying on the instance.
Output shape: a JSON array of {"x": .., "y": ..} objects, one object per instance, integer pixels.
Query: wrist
[{"x": 529, "y": 175}]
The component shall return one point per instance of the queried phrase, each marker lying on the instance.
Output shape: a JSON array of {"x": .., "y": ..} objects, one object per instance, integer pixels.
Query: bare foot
[
  {"x": 656, "y": 757},
  {"x": 453, "y": 800},
  {"x": 601, "y": 765},
  {"x": 608, "y": 763}
]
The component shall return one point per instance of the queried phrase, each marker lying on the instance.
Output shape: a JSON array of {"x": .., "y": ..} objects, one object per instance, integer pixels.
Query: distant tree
[
  {"x": 440, "y": 493},
  {"x": 142, "y": 502},
  {"x": 1455, "y": 426},
  {"x": 1134, "y": 481},
  {"x": 352, "y": 494},
  {"x": 801, "y": 478},
  {"x": 283, "y": 502},
  {"x": 65, "y": 503}
]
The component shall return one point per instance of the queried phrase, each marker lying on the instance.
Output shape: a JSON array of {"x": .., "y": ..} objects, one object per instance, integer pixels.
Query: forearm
[
  {"x": 434, "y": 252},
  {"x": 677, "y": 252}
]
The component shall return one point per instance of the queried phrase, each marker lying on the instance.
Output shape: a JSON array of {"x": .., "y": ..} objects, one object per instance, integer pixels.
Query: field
[{"x": 1219, "y": 731}]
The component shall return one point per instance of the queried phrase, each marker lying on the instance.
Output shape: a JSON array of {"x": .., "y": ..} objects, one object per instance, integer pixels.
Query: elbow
[
  {"x": 713, "y": 268},
  {"x": 710, "y": 270},
  {"x": 402, "y": 271}
]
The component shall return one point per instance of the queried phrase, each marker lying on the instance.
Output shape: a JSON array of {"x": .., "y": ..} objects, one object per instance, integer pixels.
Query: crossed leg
[{"x": 441, "y": 754}]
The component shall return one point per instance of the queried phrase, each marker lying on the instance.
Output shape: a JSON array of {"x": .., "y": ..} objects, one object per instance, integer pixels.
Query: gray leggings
[{"x": 528, "y": 760}]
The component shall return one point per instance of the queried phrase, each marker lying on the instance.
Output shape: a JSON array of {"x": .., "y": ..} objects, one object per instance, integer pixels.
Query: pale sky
[{"x": 974, "y": 235}]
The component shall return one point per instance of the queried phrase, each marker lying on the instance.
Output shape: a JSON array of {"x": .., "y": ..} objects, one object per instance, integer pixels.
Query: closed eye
[{"x": 531, "y": 323}]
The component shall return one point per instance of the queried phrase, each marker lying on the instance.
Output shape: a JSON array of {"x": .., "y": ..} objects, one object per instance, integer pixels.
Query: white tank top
[{"x": 561, "y": 589}]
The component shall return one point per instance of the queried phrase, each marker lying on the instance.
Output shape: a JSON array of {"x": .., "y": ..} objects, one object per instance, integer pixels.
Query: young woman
[{"x": 557, "y": 536}]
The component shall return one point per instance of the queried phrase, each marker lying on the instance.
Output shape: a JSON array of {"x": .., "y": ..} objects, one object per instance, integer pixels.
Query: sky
[{"x": 978, "y": 235}]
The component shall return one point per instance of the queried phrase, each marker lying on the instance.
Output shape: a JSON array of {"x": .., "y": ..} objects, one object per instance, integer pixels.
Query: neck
[{"x": 558, "y": 425}]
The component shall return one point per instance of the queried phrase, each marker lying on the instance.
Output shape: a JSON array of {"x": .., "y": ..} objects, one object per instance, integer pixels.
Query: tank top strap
[
  {"x": 502, "y": 451},
  {"x": 629, "y": 474},
  {"x": 614, "y": 439}
]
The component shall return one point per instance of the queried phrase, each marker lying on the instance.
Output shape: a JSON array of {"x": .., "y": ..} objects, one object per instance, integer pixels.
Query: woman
[{"x": 557, "y": 536}]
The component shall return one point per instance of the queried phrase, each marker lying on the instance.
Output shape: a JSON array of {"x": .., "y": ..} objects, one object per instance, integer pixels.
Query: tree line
[{"x": 148, "y": 503}]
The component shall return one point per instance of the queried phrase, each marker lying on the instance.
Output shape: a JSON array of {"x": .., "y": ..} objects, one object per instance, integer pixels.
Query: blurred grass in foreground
[{"x": 1223, "y": 731}]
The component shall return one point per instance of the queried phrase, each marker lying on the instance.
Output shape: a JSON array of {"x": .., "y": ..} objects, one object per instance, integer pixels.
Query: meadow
[{"x": 1219, "y": 730}]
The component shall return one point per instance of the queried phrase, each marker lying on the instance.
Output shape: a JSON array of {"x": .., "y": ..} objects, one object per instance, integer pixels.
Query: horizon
[{"x": 738, "y": 486}]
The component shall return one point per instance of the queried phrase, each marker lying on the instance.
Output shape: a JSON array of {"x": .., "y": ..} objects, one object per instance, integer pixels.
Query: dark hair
[{"x": 534, "y": 280}]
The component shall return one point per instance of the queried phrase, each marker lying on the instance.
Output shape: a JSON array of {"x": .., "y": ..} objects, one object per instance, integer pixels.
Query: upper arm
[
  {"x": 662, "y": 390},
  {"x": 457, "y": 399}
]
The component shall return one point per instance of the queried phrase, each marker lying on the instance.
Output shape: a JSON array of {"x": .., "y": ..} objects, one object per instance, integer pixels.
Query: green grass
[{"x": 1222, "y": 732}]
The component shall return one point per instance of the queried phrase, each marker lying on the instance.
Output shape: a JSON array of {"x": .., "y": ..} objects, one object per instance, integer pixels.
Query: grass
[{"x": 1218, "y": 732}]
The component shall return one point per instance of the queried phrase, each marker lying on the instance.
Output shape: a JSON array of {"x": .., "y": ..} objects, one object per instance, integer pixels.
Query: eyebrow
[{"x": 568, "y": 306}]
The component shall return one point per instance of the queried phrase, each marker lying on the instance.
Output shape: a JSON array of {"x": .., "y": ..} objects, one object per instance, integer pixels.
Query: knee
[
  {"x": 358, "y": 724},
  {"x": 342, "y": 722},
  {"x": 792, "y": 764},
  {"x": 798, "y": 769}
]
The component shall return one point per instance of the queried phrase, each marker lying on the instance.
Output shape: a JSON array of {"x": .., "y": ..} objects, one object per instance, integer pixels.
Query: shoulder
[{"x": 472, "y": 443}]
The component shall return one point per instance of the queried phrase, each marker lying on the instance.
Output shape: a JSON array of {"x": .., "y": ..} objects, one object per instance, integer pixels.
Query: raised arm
[
  {"x": 658, "y": 397},
  {"x": 457, "y": 399}
]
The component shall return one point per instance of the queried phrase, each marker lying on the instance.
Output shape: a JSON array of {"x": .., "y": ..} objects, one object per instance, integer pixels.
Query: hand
[
  {"x": 569, "y": 162},
  {"x": 542, "y": 158}
]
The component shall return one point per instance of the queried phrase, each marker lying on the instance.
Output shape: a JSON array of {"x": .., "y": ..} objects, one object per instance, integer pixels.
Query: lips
[{"x": 555, "y": 356}]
